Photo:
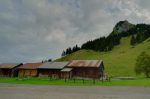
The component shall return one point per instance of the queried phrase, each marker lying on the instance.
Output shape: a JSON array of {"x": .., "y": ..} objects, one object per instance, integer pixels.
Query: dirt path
[{"x": 19, "y": 91}]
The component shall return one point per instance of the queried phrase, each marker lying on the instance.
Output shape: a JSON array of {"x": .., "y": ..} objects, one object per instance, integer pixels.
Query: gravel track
[{"x": 21, "y": 91}]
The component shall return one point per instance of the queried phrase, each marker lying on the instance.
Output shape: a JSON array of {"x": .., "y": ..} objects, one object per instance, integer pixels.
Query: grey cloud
[{"x": 32, "y": 30}]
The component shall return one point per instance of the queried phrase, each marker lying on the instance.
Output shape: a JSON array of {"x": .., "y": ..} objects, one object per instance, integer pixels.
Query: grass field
[
  {"x": 47, "y": 81},
  {"x": 118, "y": 62}
]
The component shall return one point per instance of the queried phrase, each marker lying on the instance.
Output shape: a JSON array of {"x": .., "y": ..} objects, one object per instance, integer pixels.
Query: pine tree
[
  {"x": 63, "y": 53},
  {"x": 69, "y": 50}
]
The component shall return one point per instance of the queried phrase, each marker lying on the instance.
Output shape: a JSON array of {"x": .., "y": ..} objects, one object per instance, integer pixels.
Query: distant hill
[
  {"x": 118, "y": 50},
  {"x": 118, "y": 62}
]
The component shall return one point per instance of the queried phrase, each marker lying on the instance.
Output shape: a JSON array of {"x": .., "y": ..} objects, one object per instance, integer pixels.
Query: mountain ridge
[{"x": 139, "y": 33}]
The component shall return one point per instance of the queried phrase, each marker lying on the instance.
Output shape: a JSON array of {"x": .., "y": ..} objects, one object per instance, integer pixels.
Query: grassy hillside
[{"x": 118, "y": 62}]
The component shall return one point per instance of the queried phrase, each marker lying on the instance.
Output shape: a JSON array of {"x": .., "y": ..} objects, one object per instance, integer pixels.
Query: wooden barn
[
  {"x": 9, "y": 70},
  {"x": 29, "y": 69},
  {"x": 86, "y": 68},
  {"x": 51, "y": 69}
]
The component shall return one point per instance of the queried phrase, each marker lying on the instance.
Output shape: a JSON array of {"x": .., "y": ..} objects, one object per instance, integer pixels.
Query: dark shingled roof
[
  {"x": 53, "y": 65},
  {"x": 30, "y": 66},
  {"x": 9, "y": 65},
  {"x": 84, "y": 63}
]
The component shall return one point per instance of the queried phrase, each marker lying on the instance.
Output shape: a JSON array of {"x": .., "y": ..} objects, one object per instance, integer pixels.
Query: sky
[{"x": 36, "y": 30}]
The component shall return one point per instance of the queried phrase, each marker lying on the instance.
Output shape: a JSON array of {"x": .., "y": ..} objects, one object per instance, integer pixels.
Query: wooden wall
[
  {"x": 27, "y": 72},
  {"x": 66, "y": 75},
  {"x": 54, "y": 73},
  {"x": 86, "y": 72},
  {"x": 5, "y": 72}
]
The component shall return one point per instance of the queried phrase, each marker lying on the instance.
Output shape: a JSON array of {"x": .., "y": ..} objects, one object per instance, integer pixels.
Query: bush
[{"x": 143, "y": 64}]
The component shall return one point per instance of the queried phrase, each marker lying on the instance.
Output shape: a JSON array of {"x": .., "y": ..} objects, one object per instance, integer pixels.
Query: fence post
[
  {"x": 109, "y": 79},
  {"x": 83, "y": 81},
  {"x": 102, "y": 76},
  {"x": 93, "y": 81}
]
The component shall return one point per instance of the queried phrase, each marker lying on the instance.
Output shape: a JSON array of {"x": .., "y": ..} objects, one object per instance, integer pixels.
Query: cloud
[{"x": 33, "y": 30}]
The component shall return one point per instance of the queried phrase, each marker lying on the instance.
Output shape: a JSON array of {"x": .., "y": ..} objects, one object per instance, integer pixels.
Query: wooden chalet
[
  {"x": 51, "y": 69},
  {"x": 9, "y": 70},
  {"x": 29, "y": 69},
  {"x": 86, "y": 68}
]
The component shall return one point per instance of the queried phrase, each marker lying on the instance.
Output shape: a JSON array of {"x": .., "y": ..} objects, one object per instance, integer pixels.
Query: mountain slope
[
  {"x": 139, "y": 33},
  {"x": 118, "y": 62}
]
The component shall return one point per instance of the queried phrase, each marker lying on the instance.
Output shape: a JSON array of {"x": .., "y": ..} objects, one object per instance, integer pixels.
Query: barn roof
[
  {"x": 53, "y": 65},
  {"x": 84, "y": 63},
  {"x": 66, "y": 69},
  {"x": 9, "y": 65},
  {"x": 30, "y": 66}
]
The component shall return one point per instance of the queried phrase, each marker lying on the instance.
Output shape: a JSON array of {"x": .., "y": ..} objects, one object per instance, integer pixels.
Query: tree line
[
  {"x": 100, "y": 44},
  {"x": 70, "y": 50}
]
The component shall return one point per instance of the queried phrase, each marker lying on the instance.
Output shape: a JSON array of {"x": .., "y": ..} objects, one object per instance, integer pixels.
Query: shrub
[{"x": 143, "y": 64}]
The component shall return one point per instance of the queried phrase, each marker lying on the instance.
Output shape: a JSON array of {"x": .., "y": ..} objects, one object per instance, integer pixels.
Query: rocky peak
[{"x": 122, "y": 26}]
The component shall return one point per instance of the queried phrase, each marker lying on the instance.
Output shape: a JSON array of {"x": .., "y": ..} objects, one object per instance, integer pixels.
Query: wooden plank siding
[
  {"x": 27, "y": 72},
  {"x": 5, "y": 72},
  {"x": 66, "y": 75},
  {"x": 53, "y": 73},
  {"x": 86, "y": 72}
]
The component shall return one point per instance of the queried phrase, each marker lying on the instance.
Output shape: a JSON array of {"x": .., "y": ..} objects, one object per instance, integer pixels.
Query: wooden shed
[
  {"x": 51, "y": 69},
  {"x": 87, "y": 68},
  {"x": 9, "y": 70},
  {"x": 66, "y": 73},
  {"x": 29, "y": 69}
]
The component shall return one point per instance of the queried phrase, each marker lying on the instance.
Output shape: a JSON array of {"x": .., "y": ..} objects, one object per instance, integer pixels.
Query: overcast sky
[{"x": 34, "y": 30}]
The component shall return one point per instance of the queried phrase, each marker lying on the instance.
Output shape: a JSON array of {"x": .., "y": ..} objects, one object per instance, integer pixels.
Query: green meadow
[
  {"x": 46, "y": 81},
  {"x": 118, "y": 62}
]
